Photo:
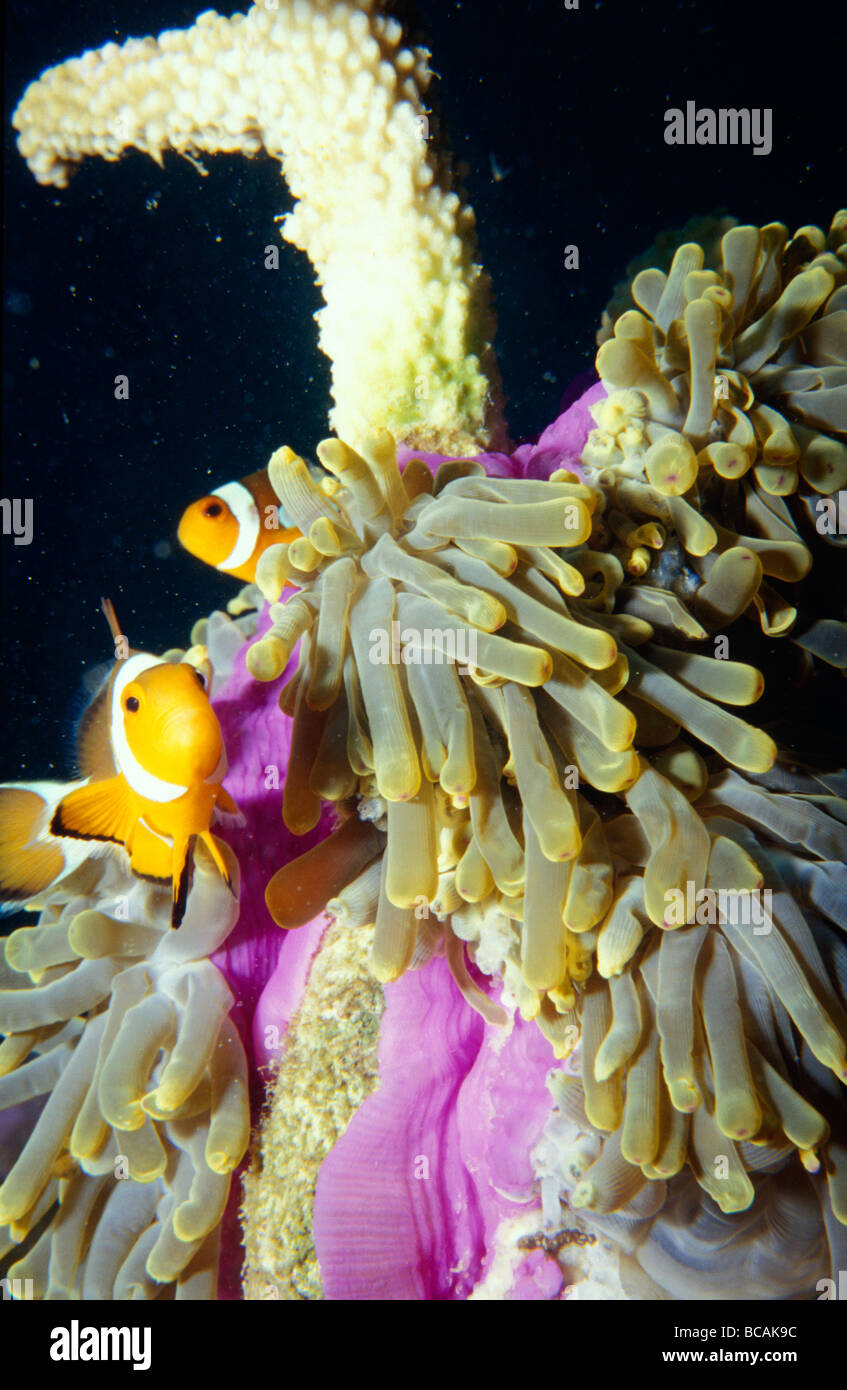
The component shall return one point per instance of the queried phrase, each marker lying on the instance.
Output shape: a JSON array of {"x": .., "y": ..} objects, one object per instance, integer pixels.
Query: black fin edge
[
  {"x": 186, "y": 878},
  {"x": 58, "y": 827}
]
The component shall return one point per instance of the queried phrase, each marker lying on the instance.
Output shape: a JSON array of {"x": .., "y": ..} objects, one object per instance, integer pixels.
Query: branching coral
[
  {"x": 327, "y": 87},
  {"x": 123, "y": 1025}
]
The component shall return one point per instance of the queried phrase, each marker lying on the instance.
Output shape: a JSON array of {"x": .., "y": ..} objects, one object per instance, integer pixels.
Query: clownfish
[
  {"x": 152, "y": 759},
  {"x": 233, "y": 526}
]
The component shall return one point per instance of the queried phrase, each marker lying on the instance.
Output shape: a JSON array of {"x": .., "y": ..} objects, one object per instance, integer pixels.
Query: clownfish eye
[
  {"x": 131, "y": 703},
  {"x": 201, "y": 678},
  {"x": 213, "y": 509}
]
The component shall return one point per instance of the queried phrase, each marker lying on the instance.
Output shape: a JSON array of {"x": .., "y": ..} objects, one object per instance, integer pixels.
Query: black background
[{"x": 159, "y": 274}]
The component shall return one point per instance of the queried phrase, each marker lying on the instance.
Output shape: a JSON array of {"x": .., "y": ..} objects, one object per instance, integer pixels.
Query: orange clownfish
[
  {"x": 233, "y": 526},
  {"x": 151, "y": 752}
]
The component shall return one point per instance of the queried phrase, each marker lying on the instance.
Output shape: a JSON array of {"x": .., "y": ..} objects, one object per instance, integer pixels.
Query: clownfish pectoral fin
[
  {"x": 183, "y": 872},
  {"x": 29, "y": 862},
  {"x": 220, "y": 863},
  {"x": 98, "y": 811}
]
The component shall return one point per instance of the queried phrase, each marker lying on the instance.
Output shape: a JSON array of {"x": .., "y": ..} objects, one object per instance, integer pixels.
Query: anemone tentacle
[{"x": 147, "y": 1112}]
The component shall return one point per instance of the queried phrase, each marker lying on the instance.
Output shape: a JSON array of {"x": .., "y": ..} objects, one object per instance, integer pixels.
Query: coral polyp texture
[
  {"x": 331, "y": 91},
  {"x": 494, "y": 691}
]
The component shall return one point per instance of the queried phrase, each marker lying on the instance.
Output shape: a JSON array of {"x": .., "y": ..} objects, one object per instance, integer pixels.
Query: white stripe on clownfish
[
  {"x": 165, "y": 839},
  {"x": 221, "y": 527},
  {"x": 141, "y": 781},
  {"x": 243, "y": 507}
]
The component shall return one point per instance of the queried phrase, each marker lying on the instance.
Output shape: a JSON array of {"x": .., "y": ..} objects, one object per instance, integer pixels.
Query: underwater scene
[{"x": 423, "y": 816}]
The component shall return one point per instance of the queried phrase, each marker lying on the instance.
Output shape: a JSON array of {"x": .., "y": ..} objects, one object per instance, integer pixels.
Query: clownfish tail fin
[
  {"x": 183, "y": 872},
  {"x": 29, "y": 861}
]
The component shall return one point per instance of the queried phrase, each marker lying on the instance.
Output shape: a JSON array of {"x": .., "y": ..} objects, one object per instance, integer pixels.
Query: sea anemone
[
  {"x": 497, "y": 674},
  {"x": 726, "y": 389},
  {"x": 123, "y": 1024},
  {"x": 469, "y": 795},
  {"x": 423, "y": 742}
]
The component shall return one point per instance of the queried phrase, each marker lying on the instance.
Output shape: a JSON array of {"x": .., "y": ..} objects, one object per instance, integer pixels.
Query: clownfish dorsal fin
[
  {"x": 93, "y": 742},
  {"x": 108, "y": 610},
  {"x": 99, "y": 811},
  {"x": 122, "y": 647}
]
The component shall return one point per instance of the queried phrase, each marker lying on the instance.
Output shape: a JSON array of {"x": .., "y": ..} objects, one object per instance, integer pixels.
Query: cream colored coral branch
[{"x": 331, "y": 91}]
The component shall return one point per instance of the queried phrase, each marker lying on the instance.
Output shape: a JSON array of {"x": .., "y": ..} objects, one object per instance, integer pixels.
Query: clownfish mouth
[{"x": 186, "y": 744}]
